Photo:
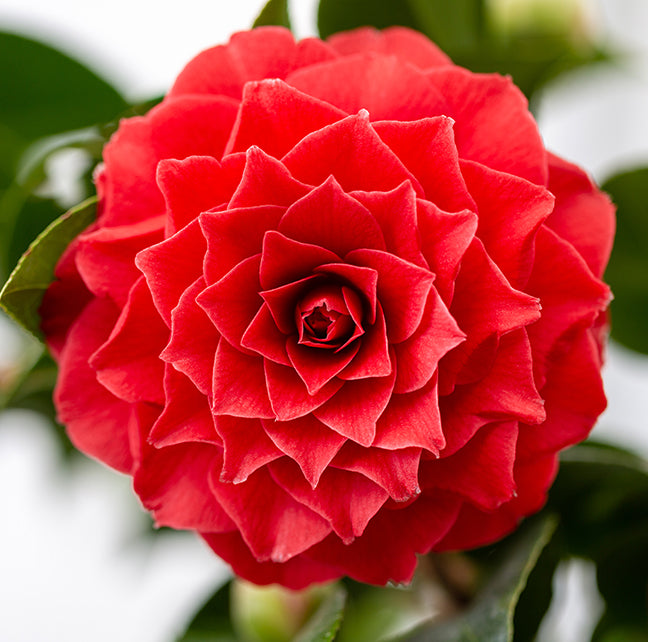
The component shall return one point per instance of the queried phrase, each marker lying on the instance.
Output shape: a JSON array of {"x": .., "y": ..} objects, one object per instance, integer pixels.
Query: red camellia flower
[{"x": 340, "y": 306}]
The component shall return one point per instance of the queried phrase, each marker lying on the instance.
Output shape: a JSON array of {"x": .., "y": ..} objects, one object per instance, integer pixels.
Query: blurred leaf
[
  {"x": 453, "y": 26},
  {"x": 489, "y": 618},
  {"x": 23, "y": 292},
  {"x": 627, "y": 272},
  {"x": 325, "y": 622},
  {"x": 212, "y": 622},
  {"x": 601, "y": 493},
  {"x": 45, "y": 91},
  {"x": 275, "y": 12},
  {"x": 341, "y": 15}
]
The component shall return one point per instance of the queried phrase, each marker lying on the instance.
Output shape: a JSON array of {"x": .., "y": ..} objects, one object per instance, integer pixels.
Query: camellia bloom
[{"x": 340, "y": 306}]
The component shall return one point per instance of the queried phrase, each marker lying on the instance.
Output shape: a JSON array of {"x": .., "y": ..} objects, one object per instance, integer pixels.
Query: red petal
[
  {"x": 583, "y": 215},
  {"x": 493, "y": 125},
  {"x": 266, "y": 181},
  {"x": 105, "y": 258},
  {"x": 246, "y": 448},
  {"x": 171, "y": 266},
  {"x": 307, "y": 441},
  {"x": 234, "y": 235},
  {"x": 177, "y": 128},
  {"x": 274, "y": 525},
  {"x": 403, "y": 289},
  {"x": 269, "y": 52},
  {"x": 407, "y": 44},
  {"x": 173, "y": 484},
  {"x": 484, "y": 306},
  {"x": 574, "y": 399},
  {"x": 444, "y": 240},
  {"x": 193, "y": 186},
  {"x": 350, "y": 151},
  {"x": 395, "y": 212},
  {"x": 317, "y": 366},
  {"x": 510, "y": 211},
  {"x": 412, "y": 420},
  {"x": 394, "y": 470},
  {"x": 288, "y": 394},
  {"x": 346, "y": 225},
  {"x": 384, "y": 85},
  {"x": 274, "y": 117},
  {"x": 128, "y": 364},
  {"x": 373, "y": 358},
  {"x": 354, "y": 410},
  {"x": 427, "y": 148},
  {"x": 186, "y": 416},
  {"x": 482, "y": 470},
  {"x": 264, "y": 337},
  {"x": 239, "y": 387},
  {"x": 419, "y": 356},
  {"x": 346, "y": 500},
  {"x": 96, "y": 420},
  {"x": 363, "y": 280},
  {"x": 275, "y": 271},
  {"x": 282, "y": 301},
  {"x": 193, "y": 341},
  {"x": 507, "y": 392},
  {"x": 233, "y": 302},
  {"x": 296, "y": 573},
  {"x": 571, "y": 295}
]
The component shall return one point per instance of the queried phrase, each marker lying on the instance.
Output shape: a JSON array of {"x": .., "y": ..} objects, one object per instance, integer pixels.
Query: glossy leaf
[
  {"x": 601, "y": 494},
  {"x": 342, "y": 15},
  {"x": 325, "y": 622},
  {"x": 46, "y": 92},
  {"x": 628, "y": 269},
  {"x": 212, "y": 622},
  {"x": 23, "y": 292},
  {"x": 275, "y": 12},
  {"x": 489, "y": 618}
]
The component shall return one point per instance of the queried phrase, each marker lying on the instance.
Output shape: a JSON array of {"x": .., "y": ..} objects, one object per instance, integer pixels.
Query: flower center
[{"x": 324, "y": 319}]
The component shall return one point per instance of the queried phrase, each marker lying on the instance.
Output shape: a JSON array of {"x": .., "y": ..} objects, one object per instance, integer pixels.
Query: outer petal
[
  {"x": 493, "y": 125},
  {"x": 387, "y": 88},
  {"x": 128, "y": 364},
  {"x": 280, "y": 528},
  {"x": 406, "y": 44},
  {"x": 583, "y": 215},
  {"x": 96, "y": 420}
]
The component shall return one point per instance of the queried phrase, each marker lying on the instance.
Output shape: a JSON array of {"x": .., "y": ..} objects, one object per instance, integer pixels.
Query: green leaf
[
  {"x": 23, "y": 292},
  {"x": 341, "y": 15},
  {"x": 46, "y": 92},
  {"x": 212, "y": 622},
  {"x": 628, "y": 266},
  {"x": 325, "y": 622},
  {"x": 275, "y": 12},
  {"x": 489, "y": 618},
  {"x": 601, "y": 494}
]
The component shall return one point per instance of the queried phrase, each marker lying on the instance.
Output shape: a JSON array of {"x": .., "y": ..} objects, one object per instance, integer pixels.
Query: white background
[{"x": 73, "y": 565}]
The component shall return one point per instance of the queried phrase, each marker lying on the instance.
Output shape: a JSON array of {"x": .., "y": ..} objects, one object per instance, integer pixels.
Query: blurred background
[{"x": 75, "y": 562}]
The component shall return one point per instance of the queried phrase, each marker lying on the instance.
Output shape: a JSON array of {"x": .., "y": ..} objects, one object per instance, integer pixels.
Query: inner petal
[{"x": 328, "y": 317}]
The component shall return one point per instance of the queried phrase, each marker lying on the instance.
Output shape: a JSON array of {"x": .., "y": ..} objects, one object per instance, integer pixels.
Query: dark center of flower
[{"x": 324, "y": 319}]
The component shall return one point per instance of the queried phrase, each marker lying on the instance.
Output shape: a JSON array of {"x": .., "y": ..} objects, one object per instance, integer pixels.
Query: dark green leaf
[
  {"x": 456, "y": 25},
  {"x": 212, "y": 622},
  {"x": 629, "y": 262},
  {"x": 489, "y": 618},
  {"x": 601, "y": 494},
  {"x": 275, "y": 12},
  {"x": 46, "y": 92},
  {"x": 23, "y": 292},
  {"x": 325, "y": 622},
  {"x": 341, "y": 15}
]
